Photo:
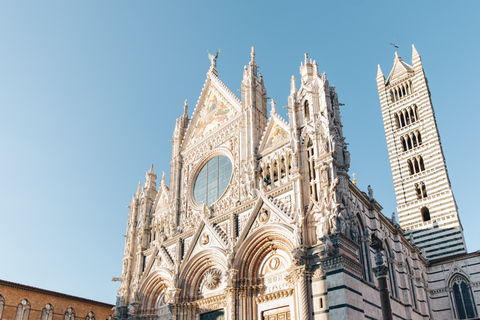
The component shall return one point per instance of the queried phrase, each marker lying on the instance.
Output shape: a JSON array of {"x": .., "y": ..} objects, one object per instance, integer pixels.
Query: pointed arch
[
  {"x": 23, "y": 310},
  {"x": 364, "y": 251},
  {"x": 463, "y": 297}
]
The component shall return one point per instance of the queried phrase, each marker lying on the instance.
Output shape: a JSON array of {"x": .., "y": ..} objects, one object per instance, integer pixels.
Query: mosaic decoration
[
  {"x": 276, "y": 136},
  {"x": 214, "y": 112}
]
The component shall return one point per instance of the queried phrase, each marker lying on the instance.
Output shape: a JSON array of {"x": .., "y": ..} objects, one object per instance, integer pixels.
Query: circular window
[{"x": 212, "y": 181}]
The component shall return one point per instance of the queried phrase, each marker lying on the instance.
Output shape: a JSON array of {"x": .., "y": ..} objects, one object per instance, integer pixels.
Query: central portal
[{"x": 214, "y": 315}]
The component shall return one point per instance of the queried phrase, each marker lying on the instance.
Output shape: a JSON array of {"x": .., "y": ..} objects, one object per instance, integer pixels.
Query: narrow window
[
  {"x": 409, "y": 143},
  {"x": 415, "y": 111},
  {"x": 418, "y": 191},
  {"x": 404, "y": 144},
  {"x": 407, "y": 117},
  {"x": 425, "y": 214},
  {"x": 412, "y": 116},
  {"x": 414, "y": 139},
  {"x": 417, "y": 168},
  {"x": 397, "y": 121},
  {"x": 410, "y": 167},
  {"x": 307, "y": 110},
  {"x": 422, "y": 165},
  {"x": 424, "y": 190},
  {"x": 402, "y": 118},
  {"x": 419, "y": 138},
  {"x": 464, "y": 301},
  {"x": 321, "y": 302}
]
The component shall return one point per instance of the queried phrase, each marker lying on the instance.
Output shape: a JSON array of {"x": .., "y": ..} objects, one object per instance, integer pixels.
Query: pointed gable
[
  {"x": 276, "y": 135},
  {"x": 399, "y": 69},
  {"x": 216, "y": 105}
]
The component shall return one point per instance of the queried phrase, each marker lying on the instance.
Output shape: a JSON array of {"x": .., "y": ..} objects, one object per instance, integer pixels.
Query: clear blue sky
[{"x": 90, "y": 90}]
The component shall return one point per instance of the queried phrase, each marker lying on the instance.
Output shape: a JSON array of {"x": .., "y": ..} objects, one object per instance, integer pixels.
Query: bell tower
[{"x": 425, "y": 202}]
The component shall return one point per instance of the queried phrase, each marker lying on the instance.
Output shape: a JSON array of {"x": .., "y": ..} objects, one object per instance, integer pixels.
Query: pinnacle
[
  {"x": 151, "y": 170},
  {"x": 379, "y": 71}
]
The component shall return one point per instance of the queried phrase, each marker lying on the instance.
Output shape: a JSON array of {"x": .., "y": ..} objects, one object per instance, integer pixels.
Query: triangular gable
[
  {"x": 276, "y": 134},
  {"x": 216, "y": 105},
  {"x": 399, "y": 69},
  {"x": 257, "y": 218},
  {"x": 205, "y": 237}
]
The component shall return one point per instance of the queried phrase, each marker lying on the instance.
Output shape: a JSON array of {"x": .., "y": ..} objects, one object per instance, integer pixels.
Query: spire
[
  {"x": 416, "y": 60},
  {"x": 252, "y": 54},
  {"x": 162, "y": 182},
  {"x": 151, "y": 172},
  {"x": 379, "y": 72},
  {"x": 150, "y": 179},
  {"x": 185, "y": 107},
  {"x": 292, "y": 85},
  {"x": 306, "y": 58},
  {"x": 139, "y": 188}
]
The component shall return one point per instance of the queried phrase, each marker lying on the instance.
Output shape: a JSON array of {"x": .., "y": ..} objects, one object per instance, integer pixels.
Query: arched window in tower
[
  {"x": 425, "y": 214},
  {"x": 415, "y": 111},
  {"x": 397, "y": 121},
  {"x": 418, "y": 191},
  {"x": 417, "y": 167},
  {"x": 409, "y": 143},
  {"x": 410, "y": 167},
  {"x": 404, "y": 144},
  {"x": 422, "y": 165},
  {"x": 424, "y": 190},
  {"x": 419, "y": 138},
  {"x": 307, "y": 110},
  {"x": 391, "y": 95},
  {"x": 407, "y": 117},
  {"x": 412, "y": 115},
  {"x": 23, "y": 310},
  {"x": 464, "y": 300},
  {"x": 414, "y": 139},
  {"x": 402, "y": 119}
]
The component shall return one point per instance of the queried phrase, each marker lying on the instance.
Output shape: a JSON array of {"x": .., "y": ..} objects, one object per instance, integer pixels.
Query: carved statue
[{"x": 370, "y": 192}]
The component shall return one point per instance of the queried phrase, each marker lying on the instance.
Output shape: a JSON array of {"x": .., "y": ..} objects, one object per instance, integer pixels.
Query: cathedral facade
[{"x": 261, "y": 220}]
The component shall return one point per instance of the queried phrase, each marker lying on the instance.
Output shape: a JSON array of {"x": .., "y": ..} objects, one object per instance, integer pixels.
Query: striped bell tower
[{"x": 425, "y": 202}]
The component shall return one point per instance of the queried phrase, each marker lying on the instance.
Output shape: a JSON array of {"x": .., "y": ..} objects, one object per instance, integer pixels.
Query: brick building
[{"x": 21, "y": 302}]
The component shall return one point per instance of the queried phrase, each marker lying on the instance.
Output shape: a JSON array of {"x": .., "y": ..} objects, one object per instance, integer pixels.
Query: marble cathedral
[{"x": 261, "y": 220}]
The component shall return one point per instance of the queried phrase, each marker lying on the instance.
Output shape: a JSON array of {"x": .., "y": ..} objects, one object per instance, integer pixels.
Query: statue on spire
[{"x": 213, "y": 59}]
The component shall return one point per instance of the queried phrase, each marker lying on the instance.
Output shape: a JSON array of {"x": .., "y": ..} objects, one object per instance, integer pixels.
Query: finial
[
  {"x": 252, "y": 54},
  {"x": 274, "y": 110},
  {"x": 151, "y": 170},
  {"x": 139, "y": 188},
  {"x": 292, "y": 85},
  {"x": 306, "y": 58},
  {"x": 354, "y": 181},
  {"x": 163, "y": 178},
  {"x": 185, "y": 106}
]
